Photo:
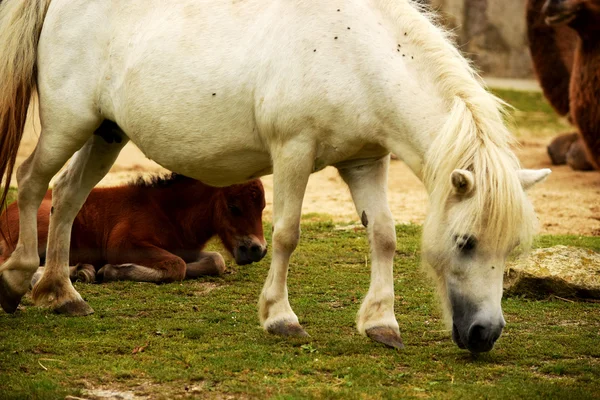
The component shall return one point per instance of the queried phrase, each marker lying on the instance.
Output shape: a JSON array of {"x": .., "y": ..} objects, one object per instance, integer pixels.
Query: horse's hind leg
[
  {"x": 52, "y": 151},
  {"x": 368, "y": 185},
  {"x": 87, "y": 168}
]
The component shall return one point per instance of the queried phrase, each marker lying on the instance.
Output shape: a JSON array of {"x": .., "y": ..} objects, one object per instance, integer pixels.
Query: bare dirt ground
[{"x": 567, "y": 203}]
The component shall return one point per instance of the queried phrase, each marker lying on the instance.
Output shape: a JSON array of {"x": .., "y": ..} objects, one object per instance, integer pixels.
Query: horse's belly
[{"x": 215, "y": 167}]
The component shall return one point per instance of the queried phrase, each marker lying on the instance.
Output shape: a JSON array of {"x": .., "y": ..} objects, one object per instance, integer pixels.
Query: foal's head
[
  {"x": 584, "y": 14},
  {"x": 239, "y": 221},
  {"x": 477, "y": 218}
]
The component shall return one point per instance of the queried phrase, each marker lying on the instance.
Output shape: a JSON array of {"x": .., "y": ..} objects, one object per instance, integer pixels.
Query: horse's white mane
[{"x": 474, "y": 138}]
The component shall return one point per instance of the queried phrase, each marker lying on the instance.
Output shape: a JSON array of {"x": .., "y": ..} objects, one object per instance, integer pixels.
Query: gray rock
[{"x": 563, "y": 271}]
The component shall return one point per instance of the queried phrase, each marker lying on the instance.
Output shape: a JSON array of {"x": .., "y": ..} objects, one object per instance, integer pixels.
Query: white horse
[{"x": 227, "y": 91}]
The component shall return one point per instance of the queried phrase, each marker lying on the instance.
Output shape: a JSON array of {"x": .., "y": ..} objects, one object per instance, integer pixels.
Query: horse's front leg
[
  {"x": 88, "y": 167},
  {"x": 368, "y": 185},
  {"x": 292, "y": 165},
  {"x": 208, "y": 263}
]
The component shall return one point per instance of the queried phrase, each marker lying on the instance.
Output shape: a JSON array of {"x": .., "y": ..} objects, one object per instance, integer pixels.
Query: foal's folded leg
[
  {"x": 146, "y": 264},
  {"x": 208, "y": 264}
]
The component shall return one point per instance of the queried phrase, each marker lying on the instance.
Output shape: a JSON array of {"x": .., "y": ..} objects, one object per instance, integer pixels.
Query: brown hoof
[
  {"x": 559, "y": 147},
  {"x": 283, "y": 328},
  {"x": 9, "y": 299},
  {"x": 108, "y": 273},
  {"x": 86, "y": 273},
  {"x": 77, "y": 308},
  {"x": 385, "y": 335},
  {"x": 577, "y": 157}
]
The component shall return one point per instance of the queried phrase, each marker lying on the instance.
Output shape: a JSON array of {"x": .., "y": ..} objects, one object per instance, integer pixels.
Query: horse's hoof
[
  {"x": 284, "y": 328},
  {"x": 9, "y": 299},
  {"x": 385, "y": 335},
  {"x": 577, "y": 157},
  {"x": 86, "y": 273},
  {"x": 559, "y": 147},
  {"x": 76, "y": 308},
  {"x": 108, "y": 273}
]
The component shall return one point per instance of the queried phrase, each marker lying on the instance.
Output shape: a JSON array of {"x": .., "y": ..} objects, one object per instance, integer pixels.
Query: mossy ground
[{"x": 203, "y": 336}]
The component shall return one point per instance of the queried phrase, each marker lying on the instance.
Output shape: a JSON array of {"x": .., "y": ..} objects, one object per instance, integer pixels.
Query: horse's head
[
  {"x": 573, "y": 12},
  {"x": 472, "y": 227},
  {"x": 239, "y": 223}
]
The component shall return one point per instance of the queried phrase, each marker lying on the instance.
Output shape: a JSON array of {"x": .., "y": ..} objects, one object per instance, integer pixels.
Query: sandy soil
[{"x": 567, "y": 203}]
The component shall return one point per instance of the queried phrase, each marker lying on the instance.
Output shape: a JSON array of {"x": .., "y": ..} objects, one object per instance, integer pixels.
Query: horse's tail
[{"x": 20, "y": 28}]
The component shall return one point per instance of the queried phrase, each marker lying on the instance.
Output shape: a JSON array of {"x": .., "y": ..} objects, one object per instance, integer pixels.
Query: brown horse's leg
[
  {"x": 577, "y": 157},
  {"x": 209, "y": 263},
  {"x": 149, "y": 264},
  {"x": 559, "y": 147}
]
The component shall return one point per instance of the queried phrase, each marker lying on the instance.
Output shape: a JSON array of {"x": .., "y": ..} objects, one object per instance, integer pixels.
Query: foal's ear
[
  {"x": 462, "y": 181},
  {"x": 530, "y": 177}
]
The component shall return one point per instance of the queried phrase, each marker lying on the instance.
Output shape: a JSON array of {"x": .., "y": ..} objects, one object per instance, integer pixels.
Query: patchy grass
[{"x": 202, "y": 338}]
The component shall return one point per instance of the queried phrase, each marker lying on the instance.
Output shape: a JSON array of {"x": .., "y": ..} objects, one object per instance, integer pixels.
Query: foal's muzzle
[{"x": 249, "y": 250}]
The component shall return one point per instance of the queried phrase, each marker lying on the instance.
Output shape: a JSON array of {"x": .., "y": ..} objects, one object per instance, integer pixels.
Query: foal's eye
[
  {"x": 466, "y": 244},
  {"x": 235, "y": 210}
]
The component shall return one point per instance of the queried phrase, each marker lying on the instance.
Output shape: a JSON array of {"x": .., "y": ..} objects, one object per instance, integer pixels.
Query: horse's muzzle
[
  {"x": 249, "y": 251},
  {"x": 477, "y": 338},
  {"x": 472, "y": 328}
]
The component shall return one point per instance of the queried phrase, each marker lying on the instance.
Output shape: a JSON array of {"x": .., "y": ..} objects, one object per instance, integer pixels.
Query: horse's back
[{"x": 207, "y": 88}]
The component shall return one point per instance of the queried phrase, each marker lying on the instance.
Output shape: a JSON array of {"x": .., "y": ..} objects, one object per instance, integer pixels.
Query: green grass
[
  {"x": 203, "y": 336},
  {"x": 532, "y": 115}
]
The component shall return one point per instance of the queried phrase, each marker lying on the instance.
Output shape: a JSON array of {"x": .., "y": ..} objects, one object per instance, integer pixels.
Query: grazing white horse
[{"x": 227, "y": 91}]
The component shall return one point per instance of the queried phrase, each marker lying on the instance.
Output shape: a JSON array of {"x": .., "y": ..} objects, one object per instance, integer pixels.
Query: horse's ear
[
  {"x": 530, "y": 177},
  {"x": 462, "y": 181}
]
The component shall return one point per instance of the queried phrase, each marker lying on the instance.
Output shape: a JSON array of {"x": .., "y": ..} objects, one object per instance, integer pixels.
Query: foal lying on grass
[{"x": 154, "y": 231}]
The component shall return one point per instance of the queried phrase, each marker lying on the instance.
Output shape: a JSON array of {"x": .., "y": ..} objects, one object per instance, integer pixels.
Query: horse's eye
[
  {"x": 235, "y": 210},
  {"x": 466, "y": 244}
]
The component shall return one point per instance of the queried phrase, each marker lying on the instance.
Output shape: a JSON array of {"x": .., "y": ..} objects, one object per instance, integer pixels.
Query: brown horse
[
  {"x": 155, "y": 231},
  {"x": 564, "y": 39}
]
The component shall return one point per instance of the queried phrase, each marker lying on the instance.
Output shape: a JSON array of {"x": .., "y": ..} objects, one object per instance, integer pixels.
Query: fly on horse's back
[{"x": 254, "y": 87}]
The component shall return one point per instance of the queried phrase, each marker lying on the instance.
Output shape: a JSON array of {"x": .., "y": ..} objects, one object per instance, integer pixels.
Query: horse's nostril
[
  {"x": 482, "y": 338},
  {"x": 477, "y": 334},
  {"x": 256, "y": 252},
  {"x": 243, "y": 249}
]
